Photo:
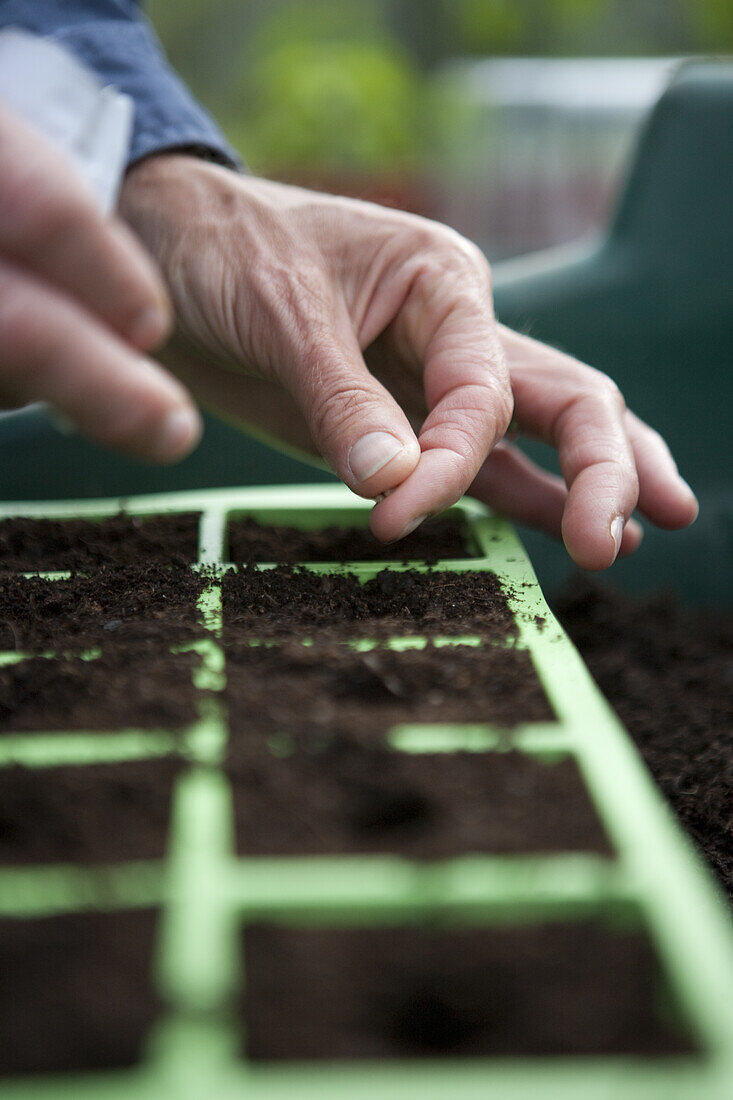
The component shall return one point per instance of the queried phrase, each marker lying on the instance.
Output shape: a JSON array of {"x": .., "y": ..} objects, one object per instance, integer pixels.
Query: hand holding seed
[{"x": 367, "y": 336}]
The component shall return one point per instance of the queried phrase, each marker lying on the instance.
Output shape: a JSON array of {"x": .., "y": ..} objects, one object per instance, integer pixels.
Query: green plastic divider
[{"x": 206, "y": 894}]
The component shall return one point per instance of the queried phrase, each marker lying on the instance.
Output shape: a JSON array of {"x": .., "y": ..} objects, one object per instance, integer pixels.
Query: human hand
[
  {"x": 79, "y": 300},
  {"x": 367, "y": 336}
]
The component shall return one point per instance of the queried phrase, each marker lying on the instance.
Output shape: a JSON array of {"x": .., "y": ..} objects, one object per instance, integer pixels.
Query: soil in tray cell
[
  {"x": 332, "y": 687},
  {"x": 668, "y": 672},
  {"x": 436, "y": 540},
  {"x": 28, "y": 544},
  {"x": 131, "y": 604},
  {"x": 406, "y": 992},
  {"x": 282, "y": 601},
  {"x": 76, "y": 991},
  {"x": 92, "y": 813},
  {"x": 344, "y": 799},
  {"x": 126, "y": 689}
]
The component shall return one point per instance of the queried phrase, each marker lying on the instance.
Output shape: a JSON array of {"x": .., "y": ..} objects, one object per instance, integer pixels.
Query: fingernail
[
  {"x": 149, "y": 327},
  {"x": 371, "y": 453},
  {"x": 617, "y": 533},
  {"x": 179, "y": 434},
  {"x": 411, "y": 526}
]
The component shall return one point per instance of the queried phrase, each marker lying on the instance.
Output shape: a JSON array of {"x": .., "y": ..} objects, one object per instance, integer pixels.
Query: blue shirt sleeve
[{"x": 115, "y": 40}]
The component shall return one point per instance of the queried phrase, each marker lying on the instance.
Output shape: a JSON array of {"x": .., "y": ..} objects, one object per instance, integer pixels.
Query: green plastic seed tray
[{"x": 200, "y": 901}]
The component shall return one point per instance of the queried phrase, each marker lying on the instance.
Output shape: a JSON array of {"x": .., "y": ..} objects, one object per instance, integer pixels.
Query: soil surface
[
  {"x": 434, "y": 541},
  {"x": 91, "y": 813},
  {"x": 132, "y": 603},
  {"x": 146, "y": 688},
  {"x": 281, "y": 602},
  {"x": 332, "y": 687},
  {"x": 668, "y": 673},
  {"x": 342, "y": 993},
  {"x": 344, "y": 799},
  {"x": 76, "y": 991},
  {"x": 47, "y": 544}
]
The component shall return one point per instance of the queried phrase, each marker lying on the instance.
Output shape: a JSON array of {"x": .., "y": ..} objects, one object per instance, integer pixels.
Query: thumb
[{"x": 356, "y": 424}]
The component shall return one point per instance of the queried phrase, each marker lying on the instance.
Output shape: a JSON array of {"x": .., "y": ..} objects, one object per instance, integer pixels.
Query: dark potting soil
[
  {"x": 668, "y": 673},
  {"x": 132, "y": 603},
  {"x": 344, "y": 799},
  {"x": 148, "y": 688},
  {"x": 281, "y": 602},
  {"x": 434, "y": 541},
  {"x": 333, "y": 687},
  {"x": 416, "y": 992},
  {"x": 90, "y": 813},
  {"x": 47, "y": 544},
  {"x": 76, "y": 991}
]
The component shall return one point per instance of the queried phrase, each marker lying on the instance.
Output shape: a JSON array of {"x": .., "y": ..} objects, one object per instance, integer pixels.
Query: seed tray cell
[
  {"x": 344, "y": 797},
  {"x": 136, "y": 604},
  {"x": 147, "y": 688},
  {"x": 77, "y": 991},
  {"x": 365, "y": 602},
  {"x": 548, "y": 989},
  {"x": 101, "y": 813},
  {"x": 214, "y": 900},
  {"x": 335, "y": 687},
  {"x": 38, "y": 544},
  {"x": 249, "y": 540}
]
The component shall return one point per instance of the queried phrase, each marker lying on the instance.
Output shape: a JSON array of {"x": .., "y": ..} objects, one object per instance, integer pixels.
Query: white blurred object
[
  {"x": 49, "y": 88},
  {"x": 539, "y": 145}
]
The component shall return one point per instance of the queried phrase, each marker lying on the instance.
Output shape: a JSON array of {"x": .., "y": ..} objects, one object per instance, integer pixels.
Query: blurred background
[
  {"x": 512, "y": 120},
  {"x": 534, "y": 127},
  {"x": 573, "y": 140}
]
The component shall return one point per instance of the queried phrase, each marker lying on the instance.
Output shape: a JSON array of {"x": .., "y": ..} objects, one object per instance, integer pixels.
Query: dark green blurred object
[
  {"x": 39, "y": 461},
  {"x": 651, "y": 304}
]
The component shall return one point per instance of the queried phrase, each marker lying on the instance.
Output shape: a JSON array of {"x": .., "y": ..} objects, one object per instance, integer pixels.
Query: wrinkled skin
[
  {"x": 338, "y": 328},
  {"x": 320, "y": 320}
]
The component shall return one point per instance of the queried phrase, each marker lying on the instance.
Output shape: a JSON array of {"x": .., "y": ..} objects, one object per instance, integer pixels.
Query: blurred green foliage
[
  {"x": 715, "y": 18},
  {"x": 328, "y": 106},
  {"x": 515, "y": 25},
  {"x": 344, "y": 85}
]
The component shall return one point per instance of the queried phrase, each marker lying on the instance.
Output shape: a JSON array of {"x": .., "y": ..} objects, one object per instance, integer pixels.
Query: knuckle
[
  {"x": 596, "y": 387},
  {"x": 465, "y": 254},
  {"x": 450, "y": 248},
  {"x": 502, "y": 404},
  {"x": 491, "y": 401},
  {"x": 337, "y": 408},
  {"x": 610, "y": 391},
  {"x": 471, "y": 253},
  {"x": 423, "y": 236},
  {"x": 597, "y": 400},
  {"x": 467, "y": 435},
  {"x": 462, "y": 433}
]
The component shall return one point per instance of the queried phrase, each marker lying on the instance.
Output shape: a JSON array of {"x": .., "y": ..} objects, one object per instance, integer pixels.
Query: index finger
[
  {"x": 50, "y": 225},
  {"x": 447, "y": 324}
]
